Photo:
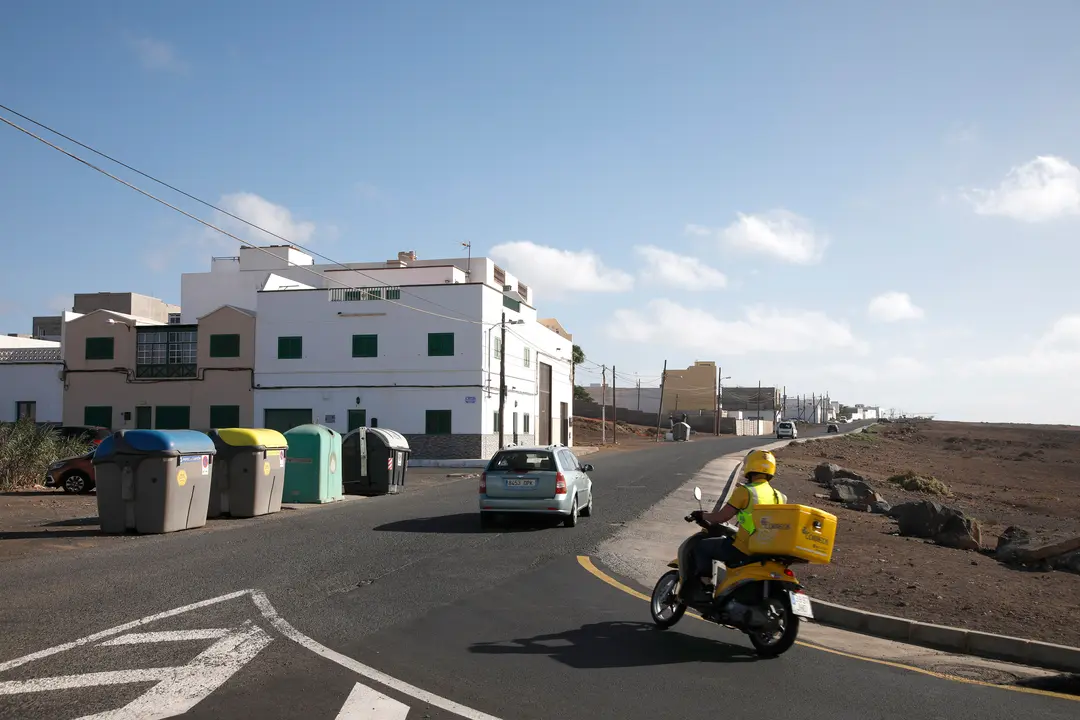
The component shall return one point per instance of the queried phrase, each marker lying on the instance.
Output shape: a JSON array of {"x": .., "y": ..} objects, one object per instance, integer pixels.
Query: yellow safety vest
[{"x": 761, "y": 493}]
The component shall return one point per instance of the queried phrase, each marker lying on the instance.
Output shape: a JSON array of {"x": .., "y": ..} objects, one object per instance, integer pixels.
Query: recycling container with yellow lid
[{"x": 249, "y": 475}]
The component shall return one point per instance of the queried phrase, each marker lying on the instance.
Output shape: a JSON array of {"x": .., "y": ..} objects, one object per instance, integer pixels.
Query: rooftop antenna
[{"x": 468, "y": 268}]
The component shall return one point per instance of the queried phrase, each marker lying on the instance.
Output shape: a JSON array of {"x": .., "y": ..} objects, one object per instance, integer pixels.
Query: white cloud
[
  {"x": 779, "y": 234},
  {"x": 698, "y": 230},
  {"x": 892, "y": 370},
  {"x": 760, "y": 330},
  {"x": 158, "y": 55},
  {"x": 1048, "y": 187},
  {"x": 664, "y": 267},
  {"x": 257, "y": 210},
  {"x": 1056, "y": 352},
  {"x": 894, "y": 307},
  {"x": 556, "y": 271}
]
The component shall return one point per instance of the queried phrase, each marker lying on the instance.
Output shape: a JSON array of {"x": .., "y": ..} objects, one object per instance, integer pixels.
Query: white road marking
[
  {"x": 10, "y": 664},
  {"x": 64, "y": 682},
  {"x": 168, "y": 636},
  {"x": 370, "y": 673},
  {"x": 186, "y": 686},
  {"x": 255, "y": 636},
  {"x": 364, "y": 703}
]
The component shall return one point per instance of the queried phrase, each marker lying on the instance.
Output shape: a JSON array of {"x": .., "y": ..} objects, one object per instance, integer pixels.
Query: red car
[
  {"x": 74, "y": 475},
  {"x": 92, "y": 434}
]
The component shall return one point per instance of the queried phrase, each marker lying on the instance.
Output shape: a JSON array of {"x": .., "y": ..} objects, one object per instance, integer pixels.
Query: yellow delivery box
[{"x": 794, "y": 531}]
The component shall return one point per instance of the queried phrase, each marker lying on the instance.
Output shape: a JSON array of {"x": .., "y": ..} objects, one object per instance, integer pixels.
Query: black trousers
[{"x": 719, "y": 548}]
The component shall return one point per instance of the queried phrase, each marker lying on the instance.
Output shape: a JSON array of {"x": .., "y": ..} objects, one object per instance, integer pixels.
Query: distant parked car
[
  {"x": 786, "y": 429},
  {"x": 833, "y": 427},
  {"x": 536, "y": 480},
  {"x": 92, "y": 434},
  {"x": 75, "y": 475}
]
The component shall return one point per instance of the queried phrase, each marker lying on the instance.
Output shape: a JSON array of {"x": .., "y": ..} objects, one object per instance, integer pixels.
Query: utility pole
[
  {"x": 614, "y": 408},
  {"x": 813, "y": 408},
  {"x": 783, "y": 410},
  {"x": 716, "y": 406},
  {"x": 502, "y": 378},
  {"x": 660, "y": 410},
  {"x": 639, "y": 394},
  {"x": 603, "y": 406}
]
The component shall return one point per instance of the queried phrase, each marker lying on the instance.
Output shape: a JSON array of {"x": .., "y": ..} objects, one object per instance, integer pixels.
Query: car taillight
[
  {"x": 560, "y": 484},
  {"x": 483, "y": 483}
]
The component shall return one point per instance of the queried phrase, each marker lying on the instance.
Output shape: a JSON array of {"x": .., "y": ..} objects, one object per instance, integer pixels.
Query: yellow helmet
[{"x": 759, "y": 461}]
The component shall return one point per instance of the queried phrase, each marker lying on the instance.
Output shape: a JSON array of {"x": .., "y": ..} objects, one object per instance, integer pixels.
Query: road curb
[{"x": 956, "y": 640}]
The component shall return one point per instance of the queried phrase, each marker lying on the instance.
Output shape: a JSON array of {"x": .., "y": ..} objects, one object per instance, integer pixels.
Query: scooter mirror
[{"x": 697, "y": 494}]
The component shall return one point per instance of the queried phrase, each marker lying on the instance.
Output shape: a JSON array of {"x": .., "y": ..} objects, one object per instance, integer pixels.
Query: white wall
[
  {"x": 387, "y": 384},
  {"x": 36, "y": 383}
]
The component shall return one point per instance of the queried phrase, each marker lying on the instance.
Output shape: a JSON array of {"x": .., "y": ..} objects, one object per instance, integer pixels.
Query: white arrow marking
[
  {"x": 168, "y": 636},
  {"x": 364, "y": 703}
]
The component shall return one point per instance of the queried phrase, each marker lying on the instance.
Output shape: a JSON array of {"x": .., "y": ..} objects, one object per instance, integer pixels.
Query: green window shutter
[
  {"x": 440, "y": 344},
  {"x": 224, "y": 416},
  {"x": 511, "y": 304},
  {"x": 172, "y": 417},
  {"x": 290, "y": 348},
  {"x": 365, "y": 346},
  {"x": 224, "y": 346},
  {"x": 437, "y": 422},
  {"x": 99, "y": 348},
  {"x": 100, "y": 415}
]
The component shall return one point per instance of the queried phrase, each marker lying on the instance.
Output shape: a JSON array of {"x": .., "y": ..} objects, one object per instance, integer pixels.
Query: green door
[
  {"x": 142, "y": 417},
  {"x": 283, "y": 419},
  {"x": 357, "y": 418}
]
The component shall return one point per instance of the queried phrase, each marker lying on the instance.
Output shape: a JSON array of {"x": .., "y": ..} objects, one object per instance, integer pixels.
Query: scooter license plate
[{"x": 800, "y": 605}]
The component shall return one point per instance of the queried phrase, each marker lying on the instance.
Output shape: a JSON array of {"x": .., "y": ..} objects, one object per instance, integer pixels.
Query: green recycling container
[
  {"x": 313, "y": 465},
  {"x": 249, "y": 472}
]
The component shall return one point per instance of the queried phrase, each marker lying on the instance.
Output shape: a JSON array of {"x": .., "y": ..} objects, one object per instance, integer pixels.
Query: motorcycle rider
[{"x": 759, "y": 467}]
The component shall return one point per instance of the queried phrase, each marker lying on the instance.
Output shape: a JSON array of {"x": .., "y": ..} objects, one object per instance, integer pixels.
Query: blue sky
[{"x": 878, "y": 200}]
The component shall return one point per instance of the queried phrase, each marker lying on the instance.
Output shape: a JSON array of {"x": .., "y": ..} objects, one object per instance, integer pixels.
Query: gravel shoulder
[{"x": 1001, "y": 475}]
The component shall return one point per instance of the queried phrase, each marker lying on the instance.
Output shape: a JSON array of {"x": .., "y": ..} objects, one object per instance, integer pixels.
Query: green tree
[{"x": 578, "y": 357}]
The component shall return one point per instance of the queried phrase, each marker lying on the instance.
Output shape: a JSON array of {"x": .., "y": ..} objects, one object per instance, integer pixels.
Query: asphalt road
[{"x": 401, "y": 607}]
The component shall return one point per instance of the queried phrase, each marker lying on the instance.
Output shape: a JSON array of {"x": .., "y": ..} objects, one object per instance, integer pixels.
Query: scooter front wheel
[{"x": 665, "y": 606}]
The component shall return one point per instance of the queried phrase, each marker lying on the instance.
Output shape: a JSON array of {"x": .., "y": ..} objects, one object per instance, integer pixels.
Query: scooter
[{"x": 760, "y": 597}]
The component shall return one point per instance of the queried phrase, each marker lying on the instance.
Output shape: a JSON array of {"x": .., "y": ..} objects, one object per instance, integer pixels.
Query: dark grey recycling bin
[
  {"x": 153, "y": 481},
  {"x": 374, "y": 461}
]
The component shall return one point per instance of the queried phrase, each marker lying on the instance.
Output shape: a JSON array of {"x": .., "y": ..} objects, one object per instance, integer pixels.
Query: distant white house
[
  {"x": 31, "y": 383},
  {"x": 406, "y": 344}
]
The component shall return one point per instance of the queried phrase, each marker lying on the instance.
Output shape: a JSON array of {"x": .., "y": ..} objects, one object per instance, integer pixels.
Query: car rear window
[
  {"x": 785, "y": 425},
  {"x": 522, "y": 461}
]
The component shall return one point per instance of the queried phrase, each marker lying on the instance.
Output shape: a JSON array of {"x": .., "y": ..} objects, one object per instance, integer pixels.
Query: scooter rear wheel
[
  {"x": 664, "y": 605},
  {"x": 778, "y": 642}
]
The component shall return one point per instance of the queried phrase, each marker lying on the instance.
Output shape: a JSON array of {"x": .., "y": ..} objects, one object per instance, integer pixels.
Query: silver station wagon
[{"x": 536, "y": 480}]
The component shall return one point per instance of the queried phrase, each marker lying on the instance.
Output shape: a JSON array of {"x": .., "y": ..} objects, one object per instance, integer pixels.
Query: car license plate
[
  {"x": 800, "y": 605},
  {"x": 521, "y": 482}
]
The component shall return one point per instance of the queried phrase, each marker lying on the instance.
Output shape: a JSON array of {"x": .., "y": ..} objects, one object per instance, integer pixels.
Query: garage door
[{"x": 282, "y": 419}]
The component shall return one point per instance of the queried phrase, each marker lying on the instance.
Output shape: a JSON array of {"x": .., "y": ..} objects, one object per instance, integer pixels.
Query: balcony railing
[{"x": 384, "y": 292}]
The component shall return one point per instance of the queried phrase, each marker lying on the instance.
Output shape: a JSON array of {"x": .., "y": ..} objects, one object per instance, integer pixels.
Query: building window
[
  {"x": 368, "y": 293},
  {"x": 224, "y": 346},
  {"x": 511, "y": 304},
  {"x": 498, "y": 348},
  {"x": 172, "y": 417},
  {"x": 437, "y": 422},
  {"x": 365, "y": 346},
  {"x": 224, "y": 416},
  {"x": 98, "y": 416},
  {"x": 26, "y": 410},
  {"x": 440, "y": 344},
  {"x": 99, "y": 348},
  {"x": 172, "y": 353},
  {"x": 528, "y": 356},
  {"x": 174, "y": 318},
  {"x": 357, "y": 418},
  {"x": 500, "y": 276},
  {"x": 290, "y": 348},
  {"x": 525, "y": 423},
  {"x": 495, "y": 421}
]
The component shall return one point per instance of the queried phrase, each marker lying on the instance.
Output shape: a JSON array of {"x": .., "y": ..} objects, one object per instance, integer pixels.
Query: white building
[
  {"x": 406, "y": 344},
  {"x": 31, "y": 383}
]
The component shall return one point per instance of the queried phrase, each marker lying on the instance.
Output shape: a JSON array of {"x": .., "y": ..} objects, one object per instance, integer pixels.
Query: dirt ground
[
  {"x": 588, "y": 432},
  {"x": 42, "y": 520},
  {"x": 1002, "y": 475}
]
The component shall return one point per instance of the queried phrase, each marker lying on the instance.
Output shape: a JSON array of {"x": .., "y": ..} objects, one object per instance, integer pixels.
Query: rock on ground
[{"x": 944, "y": 525}]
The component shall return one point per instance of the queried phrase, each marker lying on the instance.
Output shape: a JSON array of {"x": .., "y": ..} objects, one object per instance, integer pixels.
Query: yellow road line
[{"x": 587, "y": 563}]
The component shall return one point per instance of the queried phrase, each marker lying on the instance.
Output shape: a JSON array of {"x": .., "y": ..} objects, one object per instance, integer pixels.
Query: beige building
[
  {"x": 128, "y": 303},
  {"x": 125, "y": 371},
  {"x": 691, "y": 389}
]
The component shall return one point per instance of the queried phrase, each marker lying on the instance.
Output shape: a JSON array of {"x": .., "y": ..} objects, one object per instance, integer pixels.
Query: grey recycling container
[
  {"x": 374, "y": 461},
  {"x": 153, "y": 481},
  {"x": 249, "y": 472}
]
